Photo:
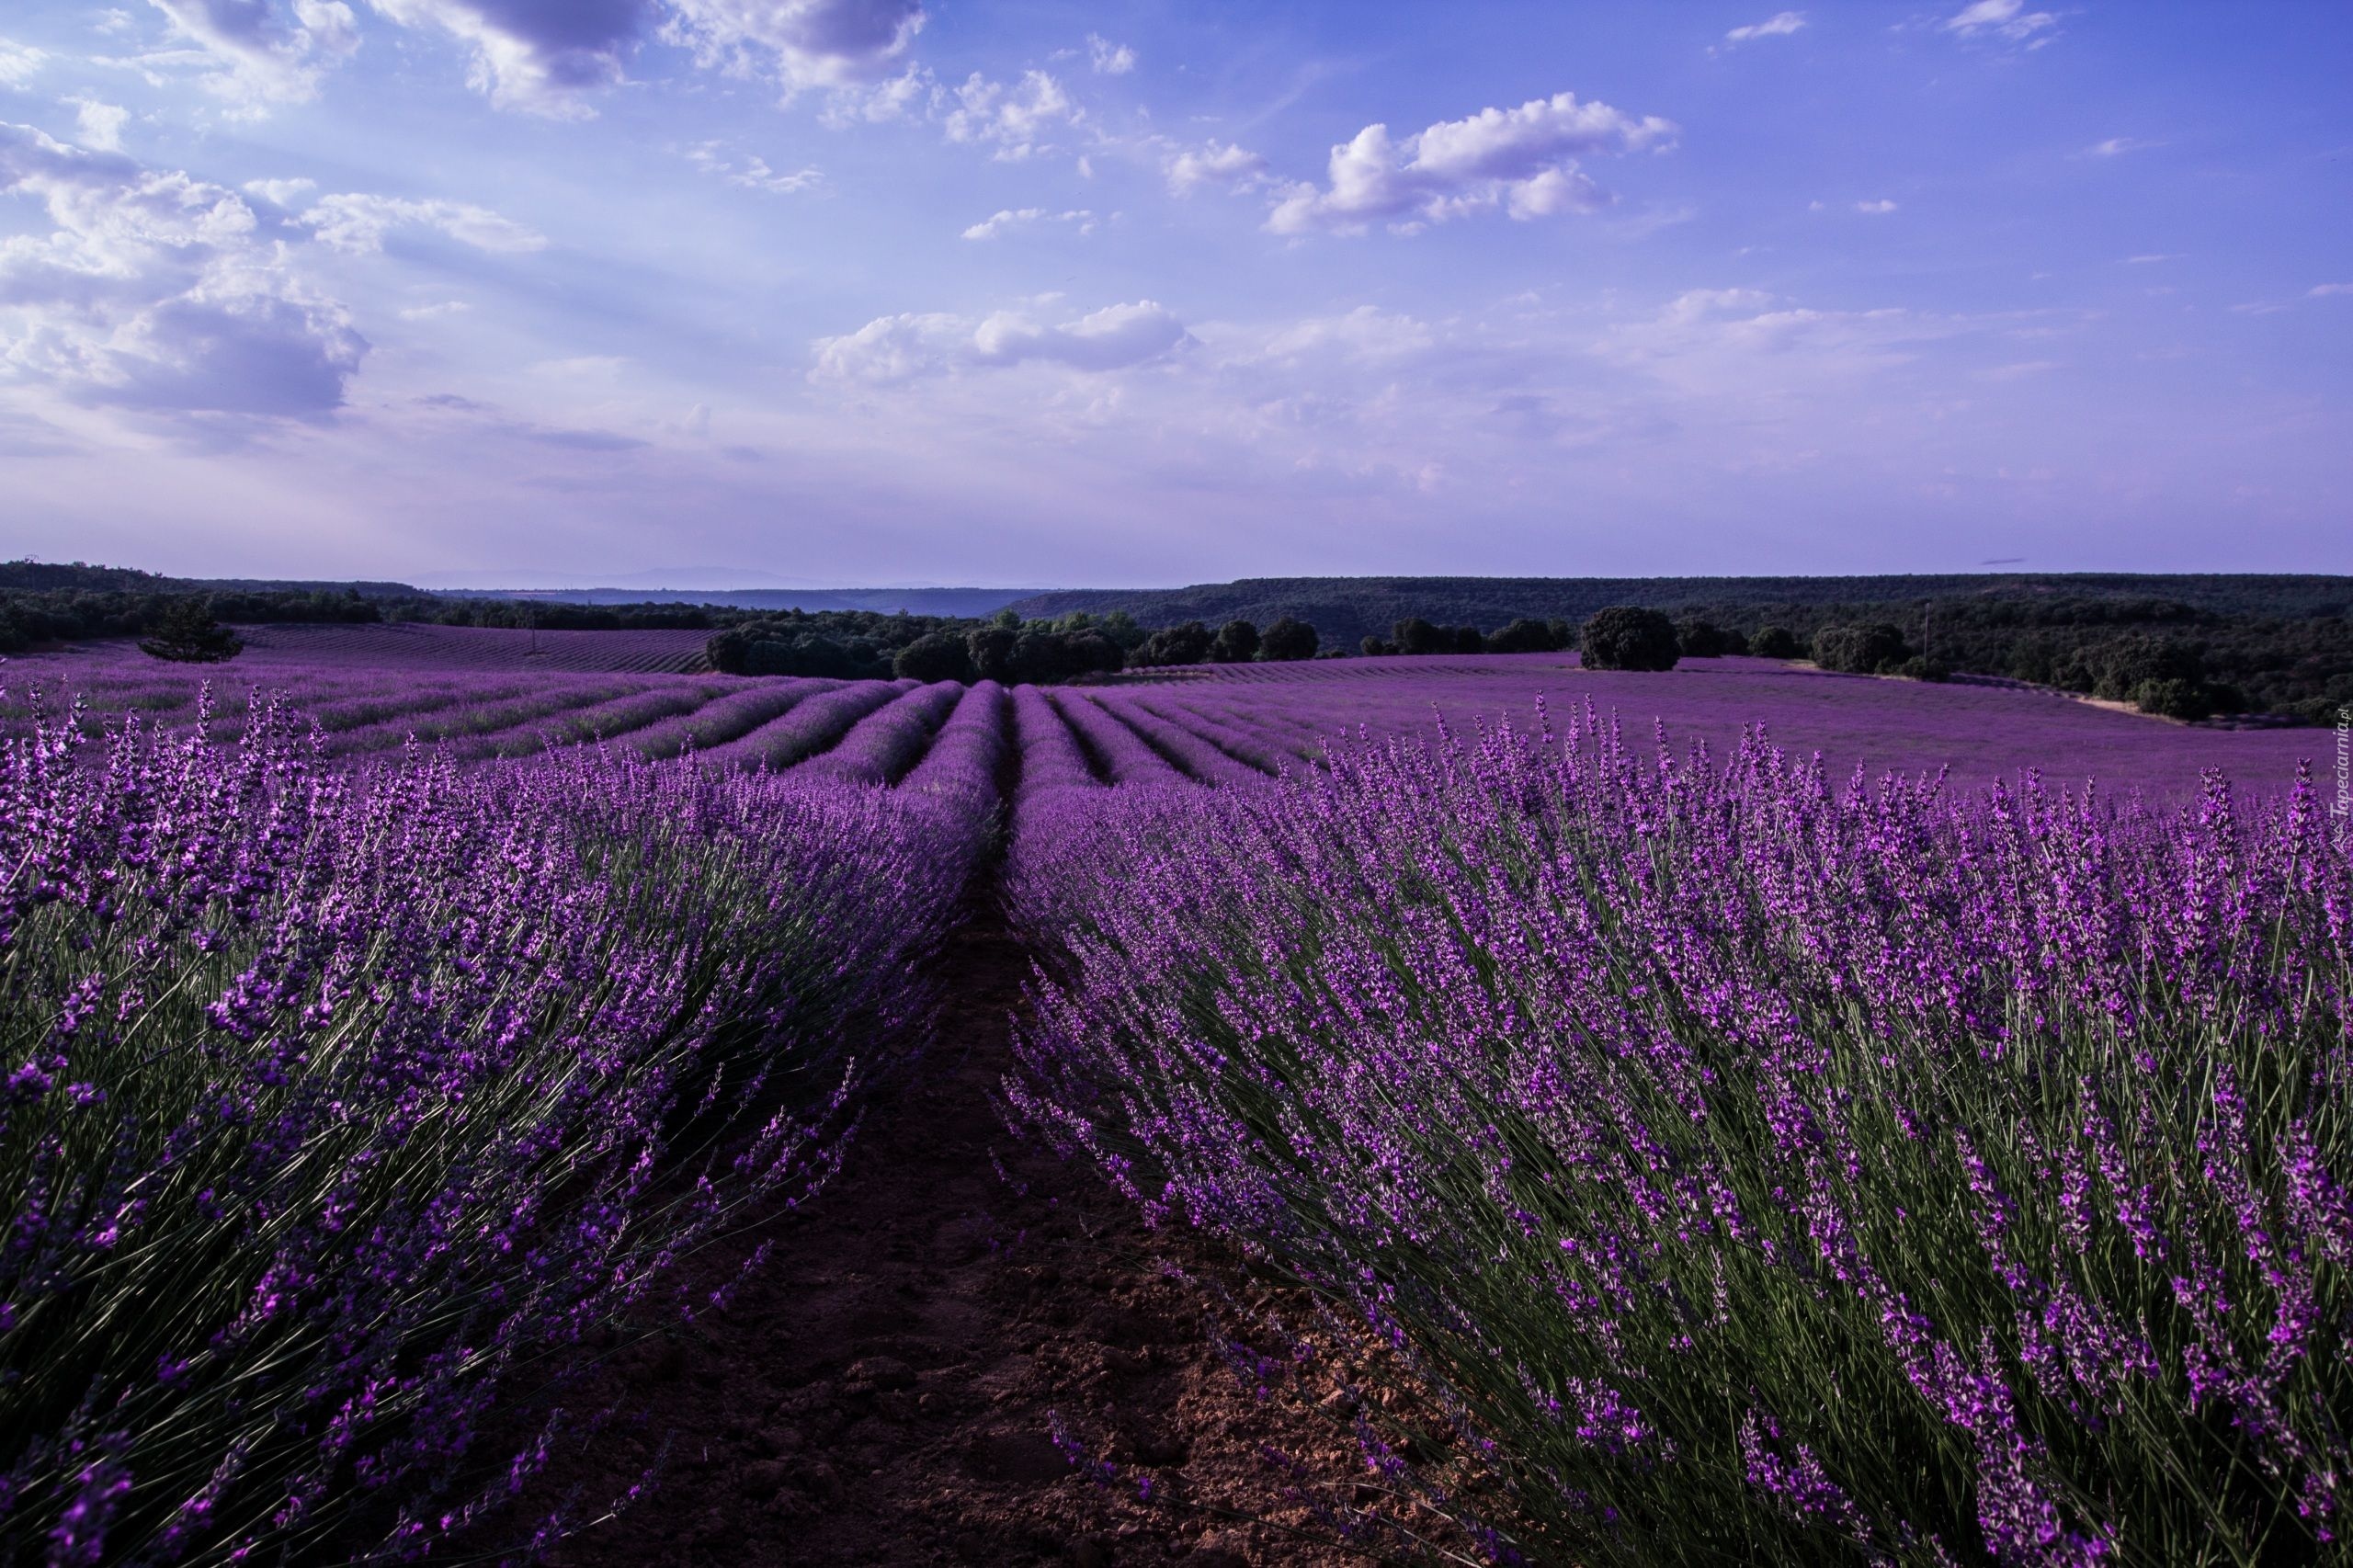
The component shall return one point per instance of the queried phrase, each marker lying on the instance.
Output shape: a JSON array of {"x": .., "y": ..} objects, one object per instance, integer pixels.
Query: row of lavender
[
  {"x": 346, "y": 1109},
  {"x": 871, "y": 730},
  {"x": 1730, "y": 1166}
]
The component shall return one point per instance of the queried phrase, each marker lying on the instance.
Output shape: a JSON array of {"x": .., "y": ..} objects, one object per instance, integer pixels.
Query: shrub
[
  {"x": 991, "y": 651},
  {"x": 1416, "y": 635},
  {"x": 1522, "y": 636},
  {"x": 2120, "y": 666},
  {"x": 1919, "y": 667},
  {"x": 935, "y": 655},
  {"x": 1469, "y": 640},
  {"x": 1860, "y": 650},
  {"x": 186, "y": 634},
  {"x": 1374, "y": 646},
  {"x": 1774, "y": 643},
  {"x": 1701, "y": 640},
  {"x": 2174, "y": 698},
  {"x": 1288, "y": 640},
  {"x": 1236, "y": 643},
  {"x": 1627, "y": 637}
]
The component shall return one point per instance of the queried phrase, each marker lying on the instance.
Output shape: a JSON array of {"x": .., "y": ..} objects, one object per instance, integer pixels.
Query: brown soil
[{"x": 880, "y": 1391}]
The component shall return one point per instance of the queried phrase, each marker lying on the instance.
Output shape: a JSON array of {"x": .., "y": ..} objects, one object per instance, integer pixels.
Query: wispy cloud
[
  {"x": 2117, "y": 146},
  {"x": 1108, "y": 59},
  {"x": 891, "y": 349},
  {"x": 1880, "y": 204},
  {"x": 752, "y": 171},
  {"x": 2007, "y": 19},
  {"x": 357, "y": 224},
  {"x": 2323, "y": 290},
  {"x": 1009, "y": 219},
  {"x": 1780, "y": 25}
]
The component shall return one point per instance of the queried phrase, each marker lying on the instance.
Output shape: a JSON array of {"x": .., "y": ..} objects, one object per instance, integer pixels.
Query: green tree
[
  {"x": 186, "y": 634},
  {"x": 1628, "y": 636},
  {"x": 1288, "y": 640}
]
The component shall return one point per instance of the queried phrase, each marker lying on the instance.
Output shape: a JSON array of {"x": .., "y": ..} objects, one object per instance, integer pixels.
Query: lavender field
[{"x": 1677, "y": 1144}]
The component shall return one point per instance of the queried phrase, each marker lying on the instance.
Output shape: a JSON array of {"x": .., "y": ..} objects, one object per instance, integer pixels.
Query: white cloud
[
  {"x": 257, "y": 54},
  {"x": 435, "y": 312},
  {"x": 2152, "y": 258},
  {"x": 281, "y": 192},
  {"x": 1742, "y": 343},
  {"x": 154, "y": 292},
  {"x": 802, "y": 43},
  {"x": 357, "y": 224},
  {"x": 1366, "y": 333},
  {"x": 903, "y": 347},
  {"x": 100, "y": 124},
  {"x": 19, "y": 62},
  {"x": 1108, "y": 59},
  {"x": 1016, "y": 116},
  {"x": 1879, "y": 206},
  {"x": 1522, "y": 159},
  {"x": 1780, "y": 25},
  {"x": 532, "y": 57},
  {"x": 893, "y": 98},
  {"x": 2323, "y": 290},
  {"x": 1012, "y": 218},
  {"x": 112, "y": 21},
  {"x": 1213, "y": 162},
  {"x": 753, "y": 171},
  {"x": 2007, "y": 19},
  {"x": 2116, "y": 146}
]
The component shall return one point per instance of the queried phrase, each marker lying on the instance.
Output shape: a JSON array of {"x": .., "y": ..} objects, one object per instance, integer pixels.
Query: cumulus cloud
[
  {"x": 1013, "y": 218},
  {"x": 100, "y": 124},
  {"x": 533, "y": 54},
  {"x": 1016, "y": 117},
  {"x": 1212, "y": 163},
  {"x": 1780, "y": 25},
  {"x": 902, "y": 347},
  {"x": 1522, "y": 159},
  {"x": 357, "y": 224},
  {"x": 257, "y": 54},
  {"x": 2007, "y": 19},
  {"x": 804, "y": 43},
  {"x": 19, "y": 63},
  {"x": 1880, "y": 205},
  {"x": 154, "y": 292},
  {"x": 279, "y": 192},
  {"x": 1108, "y": 59}
]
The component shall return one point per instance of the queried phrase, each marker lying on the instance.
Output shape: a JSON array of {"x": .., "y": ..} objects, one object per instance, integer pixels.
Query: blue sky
[{"x": 897, "y": 291}]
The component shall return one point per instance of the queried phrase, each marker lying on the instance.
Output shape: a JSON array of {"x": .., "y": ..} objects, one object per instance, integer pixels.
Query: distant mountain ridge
[
  {"x": 967, "y": 602},
  {"x": 1345, "y": 609}
]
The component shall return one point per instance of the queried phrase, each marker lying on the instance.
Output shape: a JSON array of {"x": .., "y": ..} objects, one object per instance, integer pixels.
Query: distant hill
[
  {"x": 79, "y": 576},
  {"x": 1346, "y": 608},
  {"x": 886, "y": 601}
]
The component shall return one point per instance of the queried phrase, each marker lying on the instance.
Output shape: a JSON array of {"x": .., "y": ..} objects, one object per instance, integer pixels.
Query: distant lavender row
[
  {"x": 881, "y": 746},
  {"x": 712, "y": 727},
  {"x": 807, "y": 728},
  {"x": 1200, "y": 759},
  {"x": 1111, "y": 746}
]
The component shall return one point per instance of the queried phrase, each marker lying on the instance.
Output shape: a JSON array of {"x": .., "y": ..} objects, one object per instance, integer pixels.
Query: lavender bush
[
  {"x": 341, "y": 1108},
  {"x": 1743, "y": 1168},
  {"x": 888, "y": 742}
]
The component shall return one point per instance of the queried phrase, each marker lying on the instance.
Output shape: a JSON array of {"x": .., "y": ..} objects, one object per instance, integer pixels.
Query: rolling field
[{"x": 1635, "y": 1148}]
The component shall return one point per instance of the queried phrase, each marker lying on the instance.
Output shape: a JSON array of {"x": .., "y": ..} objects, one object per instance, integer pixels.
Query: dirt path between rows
[{"x": 885, "y": 1389}]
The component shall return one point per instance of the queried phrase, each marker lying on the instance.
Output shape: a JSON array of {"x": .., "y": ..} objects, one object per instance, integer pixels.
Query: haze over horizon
[{"x": 882, "y": 292}]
